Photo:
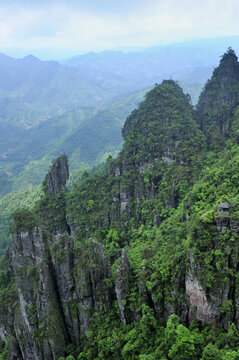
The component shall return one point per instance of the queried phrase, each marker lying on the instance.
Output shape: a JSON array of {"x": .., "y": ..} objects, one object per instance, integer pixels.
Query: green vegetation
[
  {"x": 88, "y": 135},
  {"x": 8, "y": 204},
  {"x": 218, "y": 100},
  {"x": 175, "y": 220},
  {"x": 170, "y": 200},
  {"x": 159, "y": 257},
  {"x": 24, "y": 220},
  {"x": 148, "y": 339}
]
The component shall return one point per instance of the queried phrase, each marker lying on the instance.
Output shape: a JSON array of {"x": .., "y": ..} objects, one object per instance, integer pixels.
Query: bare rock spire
[{"x": 57, "y": 176}]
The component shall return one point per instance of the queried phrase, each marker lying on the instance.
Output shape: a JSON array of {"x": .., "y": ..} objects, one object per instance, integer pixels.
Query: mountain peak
[
  {"x": 57, "y": 176},
  {"x": 31, "y": 58},
  {"x": 219, "y": 99},
  {"x": 162, "y": 126},
  {"x": 229, "y": 56}
]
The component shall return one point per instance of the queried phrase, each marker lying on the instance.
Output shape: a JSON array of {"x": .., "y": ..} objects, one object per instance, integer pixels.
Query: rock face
[
  {"x": 200, "y": 308},
  {"x": 122, "y": 285},
  {"x": 39, "y": 323},
  {"x": 58, "y": 286},
  {"x": 58, "y": 175},
  {"x": 63, "y": 261},
  {"x": 55, "y": 306},
  {"x": 215, "y": 302},
  {"x": 14, "y": 350}
]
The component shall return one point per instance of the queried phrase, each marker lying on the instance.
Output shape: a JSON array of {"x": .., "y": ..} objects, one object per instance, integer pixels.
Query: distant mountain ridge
[
  {"x": 79, "y": 106},
  {"x": 32, "y": 90},
  {"x": 190, "y": 62}
]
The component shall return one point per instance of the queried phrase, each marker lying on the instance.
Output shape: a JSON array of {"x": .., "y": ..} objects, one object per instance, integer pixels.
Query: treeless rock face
[
  {"x": 200, "y": 308},
  {"x": 57, "y": 175}
]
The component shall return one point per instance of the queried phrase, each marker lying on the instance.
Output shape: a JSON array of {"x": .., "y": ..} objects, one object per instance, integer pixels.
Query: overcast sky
[{"x": 95, "y": 25}]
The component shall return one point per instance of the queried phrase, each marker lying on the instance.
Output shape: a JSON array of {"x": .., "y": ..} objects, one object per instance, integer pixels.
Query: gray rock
[
  {"x": 122, "y": 284},
  {"x": 57, "y": 175},
  {"x": 223, "y": 206},
  {"x": 62, "y": 256},
  {"x": 92, "y": 283},
  {"x": 14, "y": 350},
  {"x": 39, "y": 324}
]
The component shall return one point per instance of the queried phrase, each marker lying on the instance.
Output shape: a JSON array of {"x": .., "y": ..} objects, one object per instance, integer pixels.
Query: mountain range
[
  {"x": 47, "y": 107},
  {"x": 139, "y": 260}
]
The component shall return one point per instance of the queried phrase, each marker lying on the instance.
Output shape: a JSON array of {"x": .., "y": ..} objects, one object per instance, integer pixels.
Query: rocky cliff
[
  {"x": 58, "y": 286},
  {"x": 95, "y": 271}
]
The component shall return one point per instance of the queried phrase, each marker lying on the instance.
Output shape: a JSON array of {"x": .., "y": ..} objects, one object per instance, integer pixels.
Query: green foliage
[
  {"x": 24, "y": 220},
  {"x": 211, "y": 352},
  {"x": 156, "y": 128},
  {"x": 88, "y": 135},
  {"x": 185, "y": 201},
  {"x": 173, "y": 207},
  {"x": 52, "y": 212},
  {"x": 9, "y": 203},
  {"x": 218, "y": 101},
  {"x": 183, "y": 348},
  {"x": 146, "y": 339}
]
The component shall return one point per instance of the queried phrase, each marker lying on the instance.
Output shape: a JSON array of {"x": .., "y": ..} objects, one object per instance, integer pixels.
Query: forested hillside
[
  {"x": 88, "y": 135},
  {"x": 47, "y": 108},
  {"x": 140, "y": 259}
]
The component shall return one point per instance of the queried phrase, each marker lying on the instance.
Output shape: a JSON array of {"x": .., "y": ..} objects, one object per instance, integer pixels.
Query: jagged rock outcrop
[
  {"x": 39, "y": 322},
  {"x": 59, "y": 287},
  {"x": 63, "y": 261},
  {"x": 57, "y": 293},
  {"x": 122, "y": 284},
  {"x": 57, "y": 176},
  {"x": 216, "y": 302},
  {"x": 161, "y": 133},
  {"x": 93, "y": 279}
]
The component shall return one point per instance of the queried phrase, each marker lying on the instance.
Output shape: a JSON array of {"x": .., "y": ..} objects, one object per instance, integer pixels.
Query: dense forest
[{"x": 139, "y": 260}]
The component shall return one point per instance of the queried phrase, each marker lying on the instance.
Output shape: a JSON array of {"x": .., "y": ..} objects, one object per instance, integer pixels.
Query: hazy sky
[{"x": 94, "y": 25}]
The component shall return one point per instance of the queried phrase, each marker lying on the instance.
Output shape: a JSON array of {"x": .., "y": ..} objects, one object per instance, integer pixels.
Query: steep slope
[
  {"x": 105, "y": 205},
  {"x": 152, "y": 238},
  {"x": 8, "y": 204},
  {"x": 218, "y": 100},
  {"x": 162, "y": 127},
  {"x": 158, "y": 139}
]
